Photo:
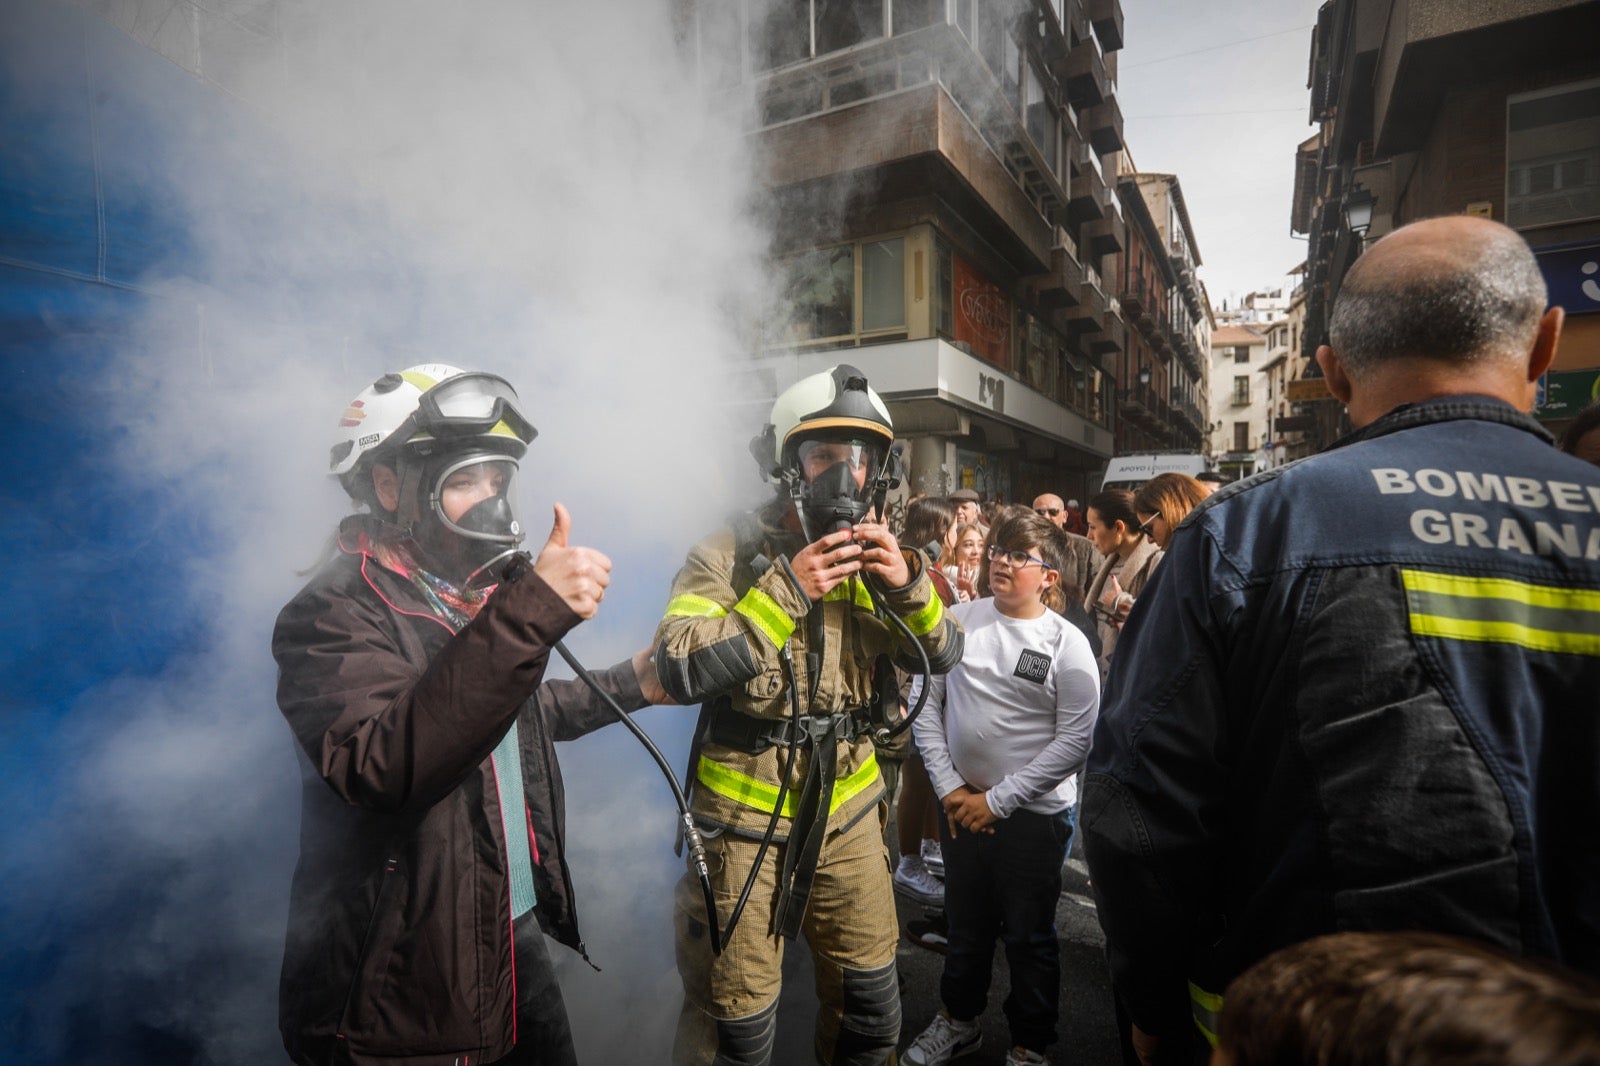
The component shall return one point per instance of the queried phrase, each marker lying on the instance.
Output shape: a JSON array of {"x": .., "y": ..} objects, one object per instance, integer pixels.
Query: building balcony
[
  {"x": 1105, "y": 236},
  {"x": 1102, "y": 124},
  {"x": 1061, "y": 286},
  {"x": 1089, "y": 314},
  {"x": 1088, "y": 198},
  {"x": 1106, "y": 17},
  {"x": 1083, "y": 74},
  {"x": 1136, "y": 300},
  {"x": 1113, "y": 338}
]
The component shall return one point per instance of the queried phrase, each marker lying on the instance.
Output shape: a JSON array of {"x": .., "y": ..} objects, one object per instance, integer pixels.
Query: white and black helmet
[
  {"x": 423, "y": 410},
  {"x": 835, "y": 403}
]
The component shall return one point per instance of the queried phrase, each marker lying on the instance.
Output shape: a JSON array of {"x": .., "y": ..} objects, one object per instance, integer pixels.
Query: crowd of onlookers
[{"x": 1351, "y": 997}]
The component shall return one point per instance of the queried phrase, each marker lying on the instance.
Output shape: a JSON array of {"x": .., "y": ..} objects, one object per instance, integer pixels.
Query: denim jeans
[{"x": 1004, "y": 886}]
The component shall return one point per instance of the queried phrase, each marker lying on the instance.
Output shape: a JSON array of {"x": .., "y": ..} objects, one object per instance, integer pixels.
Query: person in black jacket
[
  {"x": 1359, "y": 693},
  {"x": 432, "y": 830}
]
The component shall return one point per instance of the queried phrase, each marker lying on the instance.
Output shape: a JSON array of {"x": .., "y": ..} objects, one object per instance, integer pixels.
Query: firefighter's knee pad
[
  {"x": 870, "y": 1024},
  {"x": 747, "y": 1041}
]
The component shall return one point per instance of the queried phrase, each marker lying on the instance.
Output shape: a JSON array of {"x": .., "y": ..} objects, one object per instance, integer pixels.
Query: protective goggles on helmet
[{"x": 473, "y": 404}]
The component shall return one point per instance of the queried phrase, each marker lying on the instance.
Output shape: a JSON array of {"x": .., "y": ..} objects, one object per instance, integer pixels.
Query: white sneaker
[
  {"x": 1021, "y": 1056},
  {"x": 943, "y": 1040},
  {"x": 933, "y": 857},
  {"x": 912, "y": 879}
]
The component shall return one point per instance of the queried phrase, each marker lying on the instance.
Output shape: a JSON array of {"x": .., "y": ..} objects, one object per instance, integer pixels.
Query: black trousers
[
  {"x": 544, "y": 1035},
  {"x": 1004, "y": 886}
]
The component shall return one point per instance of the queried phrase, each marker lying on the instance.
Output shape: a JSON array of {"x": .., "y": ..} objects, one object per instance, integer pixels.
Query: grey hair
[{"x": 1471, "y": 309}]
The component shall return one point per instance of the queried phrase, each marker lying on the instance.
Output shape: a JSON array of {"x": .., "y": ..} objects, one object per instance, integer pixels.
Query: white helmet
[
  {"x": 834, "y": 402},
  {"x": 424, "y": 409},
  {"x": 830, "y": 441}
]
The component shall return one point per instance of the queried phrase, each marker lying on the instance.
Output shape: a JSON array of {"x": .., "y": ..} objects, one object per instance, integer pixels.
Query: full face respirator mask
[
  {"x": 835, "y": 483},
  {"x": 484, "y": 535}
]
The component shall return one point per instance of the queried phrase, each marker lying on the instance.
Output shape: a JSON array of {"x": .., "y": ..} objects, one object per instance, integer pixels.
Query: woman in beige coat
[{"x": 1130, "y": 559}]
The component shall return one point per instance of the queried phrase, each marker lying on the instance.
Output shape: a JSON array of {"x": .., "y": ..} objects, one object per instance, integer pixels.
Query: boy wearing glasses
[{"x": 1002, "y": 735}]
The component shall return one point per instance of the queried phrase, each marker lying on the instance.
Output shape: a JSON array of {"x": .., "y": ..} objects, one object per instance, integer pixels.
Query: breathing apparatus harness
[{"x": 834, "y": 513}]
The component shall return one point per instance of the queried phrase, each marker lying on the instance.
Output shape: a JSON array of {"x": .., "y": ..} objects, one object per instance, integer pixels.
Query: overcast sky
[{"x": 1209, "y": 96}]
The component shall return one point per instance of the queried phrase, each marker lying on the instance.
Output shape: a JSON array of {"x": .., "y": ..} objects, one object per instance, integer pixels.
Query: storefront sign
[
  {"x": 983, "y": 315},
  {"x": 1304, "y": 390},
  {"x": 1572, "y": 274},
  {"x": 1563, "y": 393}
]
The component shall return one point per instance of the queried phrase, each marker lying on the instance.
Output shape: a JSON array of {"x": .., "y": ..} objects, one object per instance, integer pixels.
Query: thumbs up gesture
[{"x": 578, "y": 575}]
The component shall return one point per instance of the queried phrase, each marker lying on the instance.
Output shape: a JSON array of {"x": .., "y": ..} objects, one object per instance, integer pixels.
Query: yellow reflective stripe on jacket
[
  {"x": 742, "y": 788},
  {"x": 1206, "y": 1008},
  {"x": 765, "y": 614},
  {"x": 852, "y": 589},
  {"x": 687, "y": 606},
  {"x": 923, "y": 620},
  {"x": 1502, "y": 611}
]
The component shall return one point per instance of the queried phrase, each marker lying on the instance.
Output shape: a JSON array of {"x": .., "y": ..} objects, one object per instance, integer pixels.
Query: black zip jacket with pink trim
[{"x": 399, "y": 946}]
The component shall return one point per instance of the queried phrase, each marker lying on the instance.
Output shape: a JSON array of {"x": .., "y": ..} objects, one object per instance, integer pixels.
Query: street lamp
[
  {"x": 1358, "y": 210},
  {"x": 1144, "y": 375}
]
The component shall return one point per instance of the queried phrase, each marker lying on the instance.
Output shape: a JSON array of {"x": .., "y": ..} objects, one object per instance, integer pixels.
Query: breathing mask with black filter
[
  {"x": 484, "y": 535},
  {"x": 831, "y": 482}
]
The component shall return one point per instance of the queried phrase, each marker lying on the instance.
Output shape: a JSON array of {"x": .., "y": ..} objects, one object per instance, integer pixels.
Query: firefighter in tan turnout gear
[{"x": 780, "y": 627}]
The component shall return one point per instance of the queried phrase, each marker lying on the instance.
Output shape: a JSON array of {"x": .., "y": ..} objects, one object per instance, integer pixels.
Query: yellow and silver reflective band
[
  {"x": 1502, "y": 611},
  {"x": 1206, "y": 1009},
  {"x": 923, "y": 620},
  {"x": 742, "y": 788},
  {"x": 765, "y": 614},
  {"x": 687, "y": 606},
  {"x": 852, "y": 589}
]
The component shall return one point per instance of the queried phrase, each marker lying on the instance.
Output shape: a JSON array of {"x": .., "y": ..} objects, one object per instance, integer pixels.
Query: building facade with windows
[
  {"x": 1431, "y": 107},
  {"x": 943, "y": 179},
  {"x": 1238, "y": 426},
  {"x": 1162, "y": 397}
]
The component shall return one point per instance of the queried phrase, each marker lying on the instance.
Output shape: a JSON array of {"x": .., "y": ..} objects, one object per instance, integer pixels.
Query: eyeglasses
[
  {"x": 1016, "y": 557},
  {"x": 1144, "y": 527},
  {"x": 1047, "y": 512}
]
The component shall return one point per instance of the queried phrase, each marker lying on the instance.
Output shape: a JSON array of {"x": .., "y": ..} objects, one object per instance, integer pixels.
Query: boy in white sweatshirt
[{"x": 1002, "y": 735}]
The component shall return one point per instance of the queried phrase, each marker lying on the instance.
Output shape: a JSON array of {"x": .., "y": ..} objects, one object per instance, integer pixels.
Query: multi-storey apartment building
[
  {"x": 1163, "y": 390},
  {"x": 1430, "y": 107},
  {"x": 947, "y": 221},
  {"x": 1237, "y": 430}
]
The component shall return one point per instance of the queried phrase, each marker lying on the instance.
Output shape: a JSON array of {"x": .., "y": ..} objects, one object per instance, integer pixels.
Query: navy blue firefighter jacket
[{"x": 1361, "y": 692}]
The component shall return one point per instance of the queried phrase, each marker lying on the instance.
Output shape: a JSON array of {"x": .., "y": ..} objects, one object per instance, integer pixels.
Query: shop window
[
  {"x": 963, "y": 15},
  {"x": 819, "y": 294},
  {"x": 1039, "y": 346},
  {"x": 908, "y": 15},
  {"x": 1038, "y": 116},
  {"x": 1553, "y": 155},
  {"x": 991, "y": 40},
  {"x": 719, "y": 33},
  {"x": 883, "y": 285},
  {"x": 780, "y": 33},
  {"x": 944, "y": 290},
  {"x": 843, "y": 23}
]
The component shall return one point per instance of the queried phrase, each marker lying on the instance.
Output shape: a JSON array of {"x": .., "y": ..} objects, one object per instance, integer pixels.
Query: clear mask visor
[{"x": 472, "y": 498}]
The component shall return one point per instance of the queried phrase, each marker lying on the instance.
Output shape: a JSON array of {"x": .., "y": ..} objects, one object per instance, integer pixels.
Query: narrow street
[{"x": 1088, "y": 1027}]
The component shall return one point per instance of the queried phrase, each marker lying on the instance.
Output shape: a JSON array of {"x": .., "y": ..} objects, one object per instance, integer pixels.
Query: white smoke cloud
[{"x": 536, "y": 189}]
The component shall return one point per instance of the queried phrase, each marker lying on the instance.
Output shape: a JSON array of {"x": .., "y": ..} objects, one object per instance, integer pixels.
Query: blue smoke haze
[{"x": 192, "y": 284}]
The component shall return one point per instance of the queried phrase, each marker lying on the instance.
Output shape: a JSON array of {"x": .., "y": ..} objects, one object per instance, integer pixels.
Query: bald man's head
[
  {"x": 1048, "y": 505},
  {"x": 1455, "y": 290}
]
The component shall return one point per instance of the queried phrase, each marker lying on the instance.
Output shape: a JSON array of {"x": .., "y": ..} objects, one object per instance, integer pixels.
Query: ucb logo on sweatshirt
[{"x": 1034, "y": 666}]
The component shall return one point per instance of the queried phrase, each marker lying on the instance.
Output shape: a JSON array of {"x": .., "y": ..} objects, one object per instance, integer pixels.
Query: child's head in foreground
[{"x": 1419, "y": 999}]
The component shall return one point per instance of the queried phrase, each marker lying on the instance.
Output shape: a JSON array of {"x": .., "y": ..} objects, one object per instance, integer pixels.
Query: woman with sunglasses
[
  {"x": 1130, "y": 558},
  {"x": 1164, "y": 501}
]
